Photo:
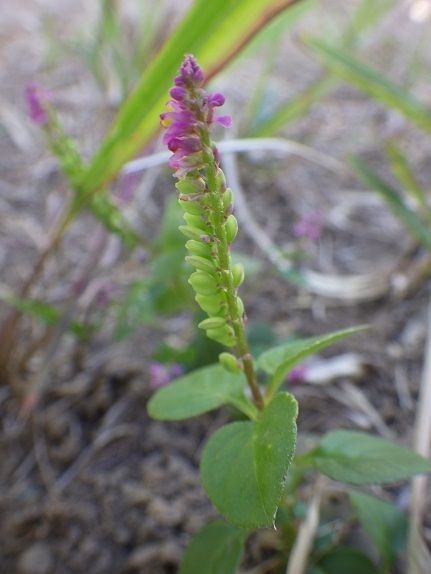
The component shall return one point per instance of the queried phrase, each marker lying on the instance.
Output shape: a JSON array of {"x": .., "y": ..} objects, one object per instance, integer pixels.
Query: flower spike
[{"x": 208, "y": 205}]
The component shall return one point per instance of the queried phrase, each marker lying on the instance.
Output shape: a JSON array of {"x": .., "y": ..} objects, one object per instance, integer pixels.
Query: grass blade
[
  {"x": 404, "y": 174},
  {"x": 372, "y": 82},
  {"x": 214, "y": 32},
  {"x": 407, "y": 216}
]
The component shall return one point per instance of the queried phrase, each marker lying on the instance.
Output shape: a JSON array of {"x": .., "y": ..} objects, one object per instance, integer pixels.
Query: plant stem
[
  {"x": 9, "y": 327},
  {"x": 226, "y": 273}
]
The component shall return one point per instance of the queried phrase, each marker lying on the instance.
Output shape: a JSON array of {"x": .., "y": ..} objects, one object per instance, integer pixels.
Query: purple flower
[
  {"x": 297, "y": 374},
  {"x": 104, "y": 295},
  {"x": 161, "y": 375},
  {"x": 190, "y": 116},
  {"x": 309, "y": 226},
  {"x": 36, "y": 98},
  {"x": 177, "y": 370}
]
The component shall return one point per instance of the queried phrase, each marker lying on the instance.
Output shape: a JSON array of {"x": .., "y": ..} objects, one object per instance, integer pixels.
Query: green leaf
[
  {"x": 218, "y": 545},
  {"x": 367, "y": 15},
  {"x": 46, "y": 314},
  {"x": 362, "y": 19},
  {"x": 294, "y": 108},
  {"x": 405, "y": 175},
  {"x": 199, "y": 392},
  {"x": 214, "y": 32},
  {"x": 345, "y": 560},
  {"x": 372, "y": 82},
  {"x": 383, "y": 522},
  {"x": 42, "y": 311},
  {"x": 278, "y": 361},
  {"x": 358, "y": 458},
  {"x": 244, "y": 464},
  {"x": 407, "y": 216}
]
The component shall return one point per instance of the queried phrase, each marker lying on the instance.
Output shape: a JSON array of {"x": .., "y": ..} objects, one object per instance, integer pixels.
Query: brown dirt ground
[{"x": 88, "y": 483}]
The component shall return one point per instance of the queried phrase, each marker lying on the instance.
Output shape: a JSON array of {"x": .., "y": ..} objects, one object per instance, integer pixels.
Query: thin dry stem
[
  {"x": 422, "y": 442},
  {"x": 9, "y": 327},
  {"x": 301, "y": 550}
]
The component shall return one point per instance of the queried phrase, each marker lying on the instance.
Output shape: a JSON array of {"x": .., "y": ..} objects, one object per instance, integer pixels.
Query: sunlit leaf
[
  {"x": 198, "y": 392},
  {"x": 244, "y": 464},
  {"x": 358, "y": 458},
  {"x": 278, "y": 361}
]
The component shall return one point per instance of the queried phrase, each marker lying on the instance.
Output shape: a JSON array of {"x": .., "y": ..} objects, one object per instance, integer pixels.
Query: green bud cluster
[{"x": 211, "y": 227}]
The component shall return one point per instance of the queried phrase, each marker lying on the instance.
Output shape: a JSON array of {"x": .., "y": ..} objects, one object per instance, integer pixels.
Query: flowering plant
[{"x": 245, "y": 464}]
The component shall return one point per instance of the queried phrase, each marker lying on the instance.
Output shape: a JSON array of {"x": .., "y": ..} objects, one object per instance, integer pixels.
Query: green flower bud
[
  {"x": 240, "y": 306},
  {"x": 193, "y": 207},
  {"x": 198, "y": 248},
  {"x": 211, "y": 304},
  {"x": 202, "y": 263},
  {"x": 231, "y": 227},
  {"x": 203, "y": 283},
  {"x": 186, "y": 187},
  {"x": 194, "y": 233},
  {"x": 229, "y": 362},
  {"x": 212, "y": 323},
  {"x": 227, "y": 197},
  {"x": 196, "y": 221},
  {"x": 238, "y": 274},
  {"x": 224, "y": 335}
]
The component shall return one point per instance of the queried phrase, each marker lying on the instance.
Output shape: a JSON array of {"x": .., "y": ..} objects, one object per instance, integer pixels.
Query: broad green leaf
[
  {"x": 344, "y": 560},
  {"x": 358, "y": 458},
  {"x": 214, "y": 32},
  {"x": 198, "y": 392},
  {"x": 384, "y": 523},
  {"x": 372, "y": 82},
  {"x": 244, "y": 464},
  {"x": 219, "y": 546},
  {"x": 411, "y": 220},
  {"x": 280, "y": 360}
]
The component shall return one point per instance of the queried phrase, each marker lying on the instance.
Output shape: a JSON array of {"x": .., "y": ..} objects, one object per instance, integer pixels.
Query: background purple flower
[
  {"x": 36, "y": 97},
  {"x": 309, "y": 226},
  {"x": 297, "y": 374},
  {"x": 161, "y": 375}
]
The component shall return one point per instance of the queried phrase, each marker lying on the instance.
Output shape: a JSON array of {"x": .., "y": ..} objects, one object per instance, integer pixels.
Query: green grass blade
[
  {"x": 214, "y": 32},
  {"x": 372, "y": 82},
  {"x": 404, "y": 174},
  {"x": 362, "y": 19},
  {"x": 368, "y": 13},
  {"x": 296, "y": 107},
  {"x": 411, "y": 220}
]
